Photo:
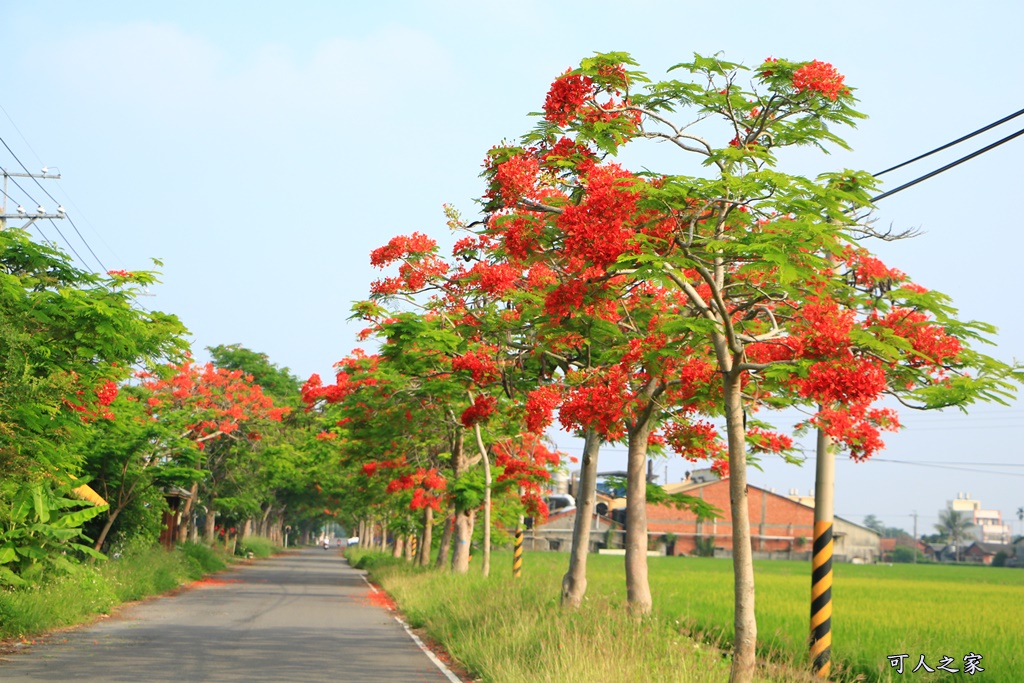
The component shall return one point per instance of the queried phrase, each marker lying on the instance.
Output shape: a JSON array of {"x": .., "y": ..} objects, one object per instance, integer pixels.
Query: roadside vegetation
[{"x": 500, "y": 628}]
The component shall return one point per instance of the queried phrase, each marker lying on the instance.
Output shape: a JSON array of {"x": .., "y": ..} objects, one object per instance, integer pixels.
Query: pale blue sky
[{"x": 263, "y": 151}]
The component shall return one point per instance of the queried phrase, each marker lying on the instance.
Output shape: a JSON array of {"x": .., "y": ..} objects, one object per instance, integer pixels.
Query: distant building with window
[{"x": 988, "y": 524}]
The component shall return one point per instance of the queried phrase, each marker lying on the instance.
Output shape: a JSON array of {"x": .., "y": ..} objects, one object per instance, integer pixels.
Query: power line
[
  {"x": 947, "y": 467},
  {"x": 948, "y": 166},
  {"x": 54, "y": 200},
  {"x": 950, "y": 144},
  {"x": 66, "y": 241},
  {"x": 23, "y": 138}
]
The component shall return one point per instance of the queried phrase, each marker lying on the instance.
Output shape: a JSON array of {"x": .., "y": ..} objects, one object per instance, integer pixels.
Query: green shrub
[
  {"x": 373, "y": 559},
  {"x": 205, "y": 558},
  {"x": 259, "y": 546}
]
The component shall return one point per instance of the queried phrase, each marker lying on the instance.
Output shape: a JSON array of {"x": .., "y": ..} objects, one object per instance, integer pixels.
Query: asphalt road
[{"x": 302, "y": 616}]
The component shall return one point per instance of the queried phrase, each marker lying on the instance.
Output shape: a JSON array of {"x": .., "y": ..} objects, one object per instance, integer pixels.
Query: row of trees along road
[
  {"x": 645, "y": 307},
  {"x": 639, "y": 307},
  {"x": 97, "y": 390}
]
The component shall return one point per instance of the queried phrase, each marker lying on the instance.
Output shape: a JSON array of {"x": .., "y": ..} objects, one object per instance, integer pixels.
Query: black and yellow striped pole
[
  {"x": 517, "y": 555},
  {"x": 821, "y": 560}
]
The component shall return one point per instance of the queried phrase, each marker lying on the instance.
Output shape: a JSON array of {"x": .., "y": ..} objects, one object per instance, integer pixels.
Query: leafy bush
[
  {"x": 41, "y": 534},
  {"x": 259, "y": 546},
  {"x": 205, "y": 559},
  {"x": 372, "y": 560}
]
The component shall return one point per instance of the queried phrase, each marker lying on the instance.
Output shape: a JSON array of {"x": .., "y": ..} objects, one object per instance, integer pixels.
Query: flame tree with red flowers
[
  {"x": 390, "y": 437},
  {"x": 220, "y": 414},
  {"x": 474, "y": 326},
  {"x": 751, "y": 252}
]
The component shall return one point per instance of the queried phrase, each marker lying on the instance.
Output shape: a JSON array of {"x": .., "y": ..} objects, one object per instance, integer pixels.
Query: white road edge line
[{"x": 419, "y": 643}]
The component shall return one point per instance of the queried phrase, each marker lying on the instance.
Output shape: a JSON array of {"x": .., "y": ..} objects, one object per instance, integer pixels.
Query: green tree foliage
[
  {"x": 955, "y": 528},
  {"x": 67, "y": 338}
]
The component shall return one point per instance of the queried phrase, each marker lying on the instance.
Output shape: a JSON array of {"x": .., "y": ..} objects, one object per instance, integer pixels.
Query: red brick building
[{"x": 777, "y": 525}]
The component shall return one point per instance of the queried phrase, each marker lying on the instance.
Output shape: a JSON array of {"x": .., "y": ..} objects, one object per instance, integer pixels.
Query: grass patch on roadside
[
  {"x": 259, "y": 546},
  {"x": 503, "y": 630},
  {"x": 93, "y": 589}
]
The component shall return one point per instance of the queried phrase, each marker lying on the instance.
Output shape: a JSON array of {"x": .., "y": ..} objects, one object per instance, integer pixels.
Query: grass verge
[{"x": 504, "y": 630}]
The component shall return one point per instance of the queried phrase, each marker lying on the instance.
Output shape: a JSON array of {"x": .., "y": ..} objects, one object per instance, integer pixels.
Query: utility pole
[
  {"x": 821, "y": 558},
  {"x": 21, "y": 213}
]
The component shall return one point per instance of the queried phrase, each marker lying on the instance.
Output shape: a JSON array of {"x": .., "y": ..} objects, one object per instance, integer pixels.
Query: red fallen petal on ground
[{"x": 209, "y": 582}]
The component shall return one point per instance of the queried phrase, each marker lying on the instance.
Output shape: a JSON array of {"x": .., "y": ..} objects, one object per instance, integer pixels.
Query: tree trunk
[
  {"x": 574, "y": 583},
  {"x": 111, "y": 516},
  {"x": 423, "y": 554},
  {"x": 186, "y": 514},
  {"x": 638, "y": 590},
  {"x": 462, "y": 539},
  {"x": 445, "y": 548},
  {"x": 464, "y": 519},
  {"x": 399, "y": 546},
  {"x": 743, "y": 660},
  {"x": 210, "y": 524},
  {"x": 487, "y": 500},
  {"x": 410, "y": 547},
  {"x": 383, "y": 536},
  {"x": 362, "y": 533}
]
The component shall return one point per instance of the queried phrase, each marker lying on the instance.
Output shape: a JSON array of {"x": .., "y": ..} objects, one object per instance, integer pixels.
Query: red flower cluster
[
  {"x": 932, "y": 346},
  {"x": 820, "y": 77},
  {"x": 697, "y": 440},
  {"x": 106, "y": 393},
  {"x": 480, "y": 364},
  {"x": 540, "y": 406},
  {"x": 482, "y": 408},
  {"x": 764, "y": 441},
  {"x": 850, "y": 380},
  {"x": 601, "y": 403},
  {"x": 400, "y": 247},
  {"x": 566, "y": 97},
  {"x": 496, "y": 279},
  {"x": 517, "y": 178},
  {"x": 869, "y": 271},
  {"x": 857, "y": 428},
  {"x": 599, "y": 229},
  {"x": 823, "y": 330}
]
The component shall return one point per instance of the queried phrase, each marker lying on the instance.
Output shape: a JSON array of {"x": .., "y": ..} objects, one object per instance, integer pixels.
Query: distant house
[
  {"x": 984, "y": 553},
  {"x": 780, "y": 527},
  {"x": 556, "y": 532}
]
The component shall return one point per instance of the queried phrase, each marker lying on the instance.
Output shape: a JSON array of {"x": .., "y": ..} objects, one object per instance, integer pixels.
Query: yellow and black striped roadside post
[
  {"x": 821, "y": 560},
  {"x": 517, "y": 555},
  {"x": 413, "y": 542}
]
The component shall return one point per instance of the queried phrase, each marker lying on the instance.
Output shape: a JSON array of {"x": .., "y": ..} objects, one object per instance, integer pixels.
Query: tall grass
[
  {"x": 504, "y": 630},
  {"x": 95, "y": 589}
]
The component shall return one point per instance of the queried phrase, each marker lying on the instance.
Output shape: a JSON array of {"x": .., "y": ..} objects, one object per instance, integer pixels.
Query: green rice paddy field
[{"x": 879, "y": 610}]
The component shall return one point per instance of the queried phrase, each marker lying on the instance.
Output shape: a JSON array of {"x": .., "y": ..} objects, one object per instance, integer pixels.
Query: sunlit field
[{"x": 880, "y": 610}]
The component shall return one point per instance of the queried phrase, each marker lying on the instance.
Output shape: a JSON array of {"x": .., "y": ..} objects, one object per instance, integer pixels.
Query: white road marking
[{"x": 416, "y": 639}]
